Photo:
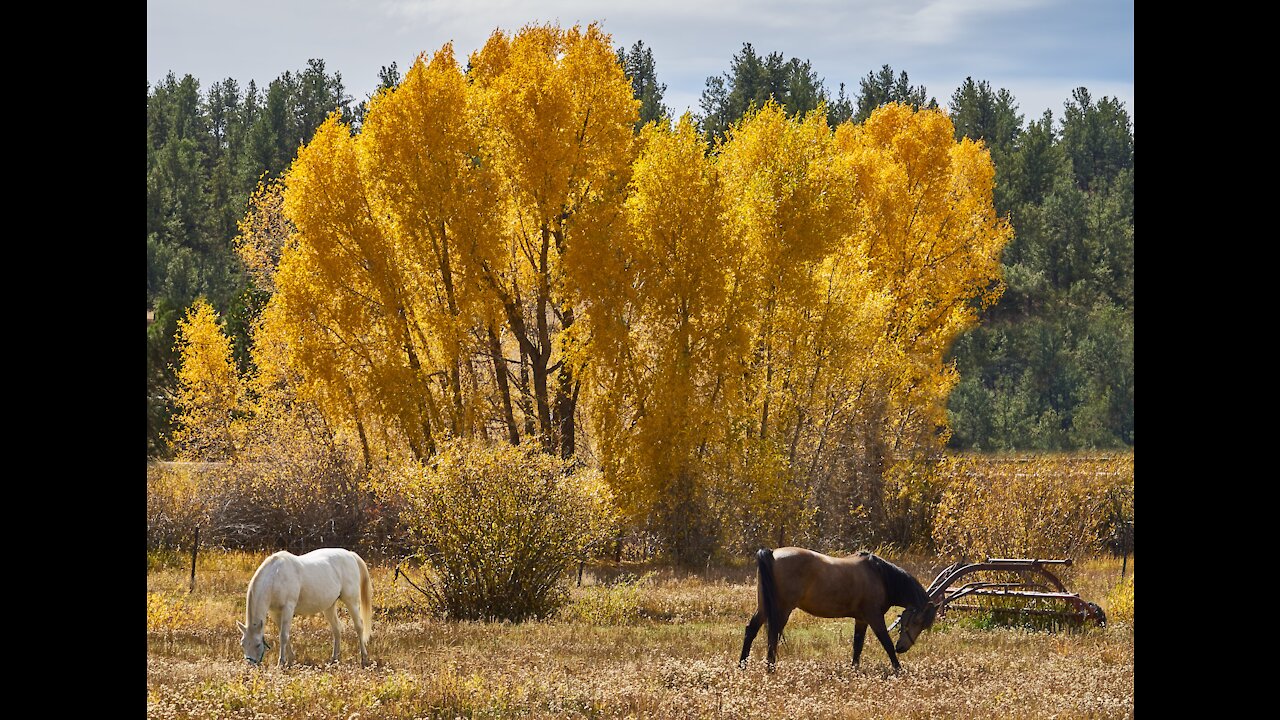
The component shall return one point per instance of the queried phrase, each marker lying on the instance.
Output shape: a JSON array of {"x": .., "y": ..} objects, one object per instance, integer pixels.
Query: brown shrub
[
  {"x": 295, "y": 501},
  {"x": 176, "y": 505}
]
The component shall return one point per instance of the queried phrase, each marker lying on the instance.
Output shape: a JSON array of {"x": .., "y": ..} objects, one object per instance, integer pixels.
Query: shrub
[
  {"x": 167, "y": 614},
  {"x": 176, "y": 505},
  {"x": 499, "y": 526},
  {"x": 295, "y": 498}
]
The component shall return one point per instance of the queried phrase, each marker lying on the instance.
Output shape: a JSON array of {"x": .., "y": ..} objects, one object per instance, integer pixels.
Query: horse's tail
[
  {"x": 366, "y": 599},
  {"x": 768, "y": 589}
]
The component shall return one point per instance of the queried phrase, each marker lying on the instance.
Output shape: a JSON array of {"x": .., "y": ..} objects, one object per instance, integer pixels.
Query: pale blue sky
[{"x": 1038, "y": 49}]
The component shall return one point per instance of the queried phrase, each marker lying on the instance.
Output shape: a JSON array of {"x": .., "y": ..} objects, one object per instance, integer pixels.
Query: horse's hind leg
[
  {"x": 748, "y": 637},
  {"x": 775, "y": 634},
  {"x": 353, "y": 607},
  {"x": 335, "y": 625},
  {"x": 859, "y": 635}
]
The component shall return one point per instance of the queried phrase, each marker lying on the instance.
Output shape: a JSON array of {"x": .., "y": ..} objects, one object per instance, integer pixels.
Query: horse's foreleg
[
  {"x": 882, "y": 634},
  {"x": 335, "y": 625},
  {"x": 286, "y": 650},
  {"x": 748, "y": 637},
  {"x": 859, "y": 634}
]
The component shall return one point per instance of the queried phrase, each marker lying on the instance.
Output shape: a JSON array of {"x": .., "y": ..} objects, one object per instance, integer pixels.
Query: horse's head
[
  {"x": 915, "y": 620},
  {"x": 255, "y": 646}
]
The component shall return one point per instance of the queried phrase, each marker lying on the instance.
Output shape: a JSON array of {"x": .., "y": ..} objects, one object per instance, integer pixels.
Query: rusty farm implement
[{"x": 1013, "y": 591}]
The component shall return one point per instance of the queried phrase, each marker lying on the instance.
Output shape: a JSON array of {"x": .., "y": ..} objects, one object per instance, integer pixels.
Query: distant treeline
[{"x": 1049, "y": 368}]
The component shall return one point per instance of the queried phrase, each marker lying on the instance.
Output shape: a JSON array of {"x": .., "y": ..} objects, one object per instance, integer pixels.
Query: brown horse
[{"x": 862, "y": 586}]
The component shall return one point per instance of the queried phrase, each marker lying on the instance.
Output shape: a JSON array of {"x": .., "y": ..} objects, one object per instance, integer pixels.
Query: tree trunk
[
  {"x": 526, "y": 402},
  {"x": 364, "y": 439},
  {"x": 566, "y": 398},
  {"x": 542, "y": 354},
  {"x": 539, "y": 368},
  {"x": 456, "y": 423},
  {"x": 504, "y": 388}
]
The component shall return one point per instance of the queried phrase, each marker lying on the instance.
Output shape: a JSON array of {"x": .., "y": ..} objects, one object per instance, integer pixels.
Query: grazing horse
[
  {"x": 862, "y": 586},
  {"x": 286, "y": 585}
]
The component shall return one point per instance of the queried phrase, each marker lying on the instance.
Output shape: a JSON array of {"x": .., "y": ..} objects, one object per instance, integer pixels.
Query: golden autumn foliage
[
  {"x": 925, "y": 245},
  {"x": 264, "y": 230},
  {"x": 779, "y": 317},
  {"x": 438, "y": 241},
  {"x": 210, "y": 395},
  {"x": 665, "y": 336},
  {"x": 748, "y": 341},
  {"x": 556, "y": 118}
]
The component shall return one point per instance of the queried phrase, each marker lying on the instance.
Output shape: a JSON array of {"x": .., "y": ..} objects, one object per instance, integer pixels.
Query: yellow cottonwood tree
[
  {"x": 789, "y": 197},
  {"x": 790, "y": 200},
  {"x": 423, "y": 172},
  {"x": 928, "y": 235},
  {"x": 464, "y": 221},
  {"x": 929, "y": 226},
  {"x": 666, "y": 344},
  {"x": 210, "y": 394},
  {"x": 263, "y": 232},
  {"x": 286, "y": 405},
  {"x": 340, "y": 283},
  {"x": 556, "y": 115}
]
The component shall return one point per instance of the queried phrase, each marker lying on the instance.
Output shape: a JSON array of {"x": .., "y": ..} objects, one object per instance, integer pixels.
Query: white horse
[{"x": 286, "y": 585}]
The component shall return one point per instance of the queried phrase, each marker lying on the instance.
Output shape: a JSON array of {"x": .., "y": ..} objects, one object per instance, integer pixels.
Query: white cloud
[{"x": 938, "y": 22}]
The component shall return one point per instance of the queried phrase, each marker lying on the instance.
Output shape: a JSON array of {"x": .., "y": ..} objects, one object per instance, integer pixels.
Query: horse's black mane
[{"x": 901, "y": 588}]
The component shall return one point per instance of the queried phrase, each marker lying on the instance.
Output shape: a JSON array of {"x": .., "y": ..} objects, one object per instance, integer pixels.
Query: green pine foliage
[
  {"x": 752, "y": 81},
  {"x": 205, "y": 154},
  {"x": 883, "y": 87},
  {"x": 1051, "y": 365},
  {"x": 641, "y": 71}
]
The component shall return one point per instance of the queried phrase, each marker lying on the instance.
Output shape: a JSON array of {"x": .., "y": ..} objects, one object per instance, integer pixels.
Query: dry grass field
[{"x": 632, "y": 643}]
